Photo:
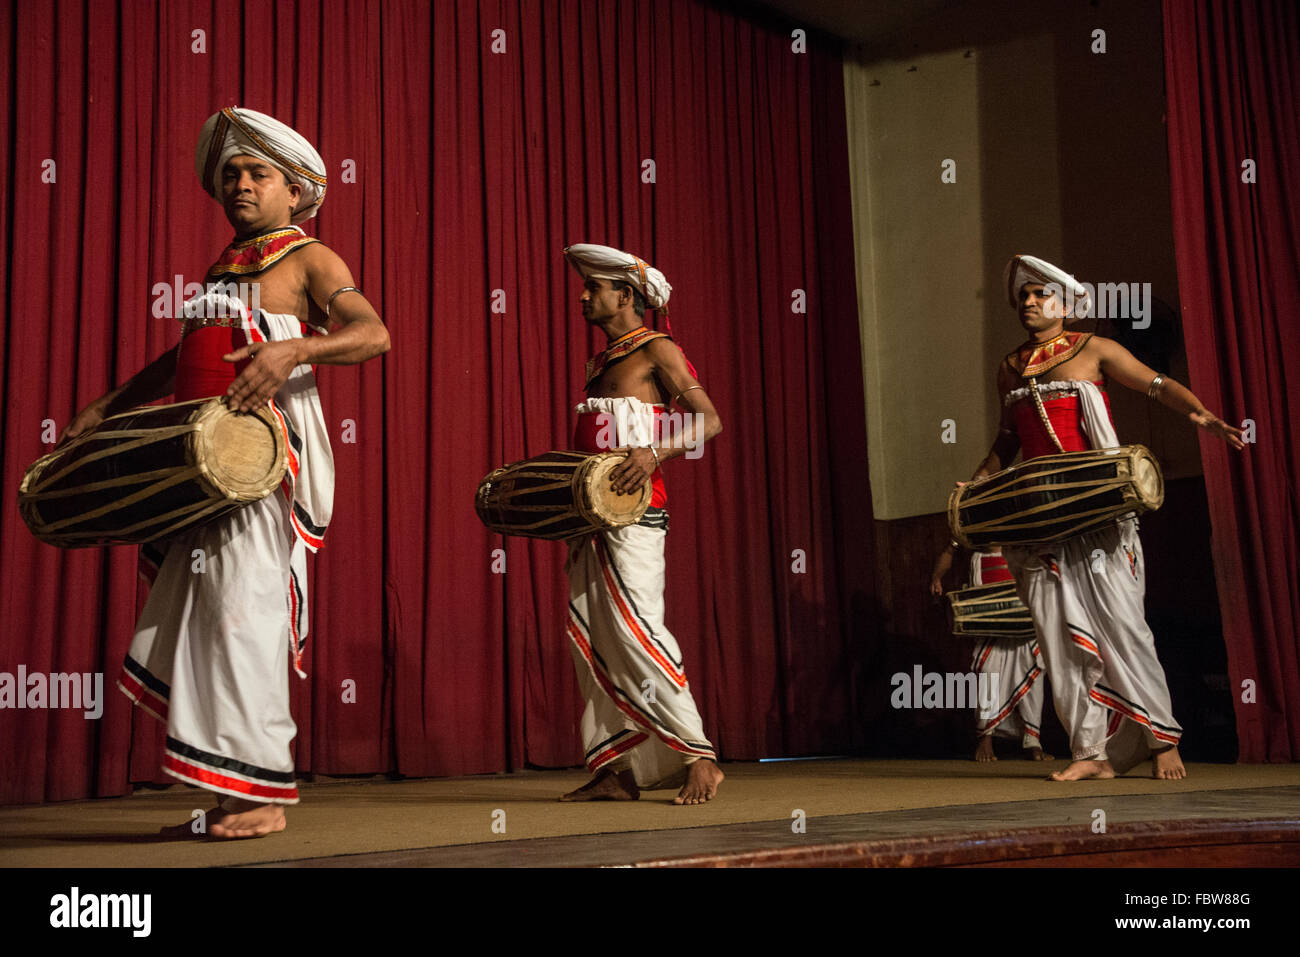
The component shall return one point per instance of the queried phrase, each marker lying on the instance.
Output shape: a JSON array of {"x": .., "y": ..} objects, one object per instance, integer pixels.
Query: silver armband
[{"x": 335, "y": 294}]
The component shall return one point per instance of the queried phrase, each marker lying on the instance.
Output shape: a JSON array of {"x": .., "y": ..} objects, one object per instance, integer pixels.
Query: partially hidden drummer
[
  {"x": 1085, "y": 594},
  {"x": 211, "y": 652},
  {"x": 1015, "y": 666}
]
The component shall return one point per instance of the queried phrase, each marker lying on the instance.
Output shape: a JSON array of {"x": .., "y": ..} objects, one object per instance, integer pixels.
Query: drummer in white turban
[
  {"x": 212, "y": 651},
  {"x": 606, "y": 262},
  {"x": 640, "y": 727},
  {"x": 1085, "y": 594},
  {"x": 235, "y": 131},
  {"x": 1071, "y": 295}
]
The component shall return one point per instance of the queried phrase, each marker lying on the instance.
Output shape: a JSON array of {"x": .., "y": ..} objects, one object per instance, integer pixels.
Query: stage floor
[{"x": 514, "y": 819}]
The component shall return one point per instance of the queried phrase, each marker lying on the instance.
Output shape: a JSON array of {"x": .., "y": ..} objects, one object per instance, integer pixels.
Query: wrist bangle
[
  {"x": 655, "y": 454},
  {"x": 1154, "y": 389}
]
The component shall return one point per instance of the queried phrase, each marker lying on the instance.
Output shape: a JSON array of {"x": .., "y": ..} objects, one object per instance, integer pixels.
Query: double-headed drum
[
  {"x": 990, "y": 611},
  {"x": 152, "y": 472},
  {"x": 1055, "y": 497},
  {"x": 558, "y": 495}
]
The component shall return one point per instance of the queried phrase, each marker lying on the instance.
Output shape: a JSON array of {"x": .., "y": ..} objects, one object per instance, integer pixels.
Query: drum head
[
  {"x": 598, "y": 498},
  {"x": 239, "y": 452},
  {"x": 1147, "y": 479}
]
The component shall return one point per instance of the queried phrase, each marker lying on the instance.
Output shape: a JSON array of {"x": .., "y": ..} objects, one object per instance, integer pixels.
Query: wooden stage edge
[{"x": 1267, "y": 842}]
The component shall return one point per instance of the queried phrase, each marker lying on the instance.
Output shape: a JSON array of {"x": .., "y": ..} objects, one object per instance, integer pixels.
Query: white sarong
[
  {"x": 640, "y": 714},
  {"x": 227, "y": 612},
  {"x": 1086, "y": 598},
  {"x": 1018, "y": 665}
]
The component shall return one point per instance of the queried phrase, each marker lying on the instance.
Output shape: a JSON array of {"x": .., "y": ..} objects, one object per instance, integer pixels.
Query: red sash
[
  {"x": 200, "y": 370},
  {"x": 993, "y": 568},
  {"x": 1065, "y": 414}
]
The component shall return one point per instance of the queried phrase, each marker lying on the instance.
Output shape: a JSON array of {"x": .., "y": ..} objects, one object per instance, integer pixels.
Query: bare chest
[
  {"x": 632, "y": 376},
  {"x": 283, "y": 289}
]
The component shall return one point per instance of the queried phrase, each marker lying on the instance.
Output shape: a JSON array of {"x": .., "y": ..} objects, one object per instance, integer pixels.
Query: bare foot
[
  {"x": 984, "y": 750},
  {"x": 607, "y": 786},
  {"x": 246, "y": 819},
  {"x": 242, "y": 820},
  {"x": 1167, "y": 765},
  {"x": 1082, "y": 770},
  {"x": 702, "y": 782},
  {"x": 1038, "y": 754}
]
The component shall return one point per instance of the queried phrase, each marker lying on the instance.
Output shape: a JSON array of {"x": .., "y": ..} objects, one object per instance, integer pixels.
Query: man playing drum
[
  {"x": 640, "y": 727},
  {"x": 1085, "y": 594},
  {"x": 227, "y": 605}
]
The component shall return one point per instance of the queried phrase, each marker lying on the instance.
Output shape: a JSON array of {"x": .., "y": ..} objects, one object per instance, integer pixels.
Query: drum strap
[{"x": 1042, "y": 413}]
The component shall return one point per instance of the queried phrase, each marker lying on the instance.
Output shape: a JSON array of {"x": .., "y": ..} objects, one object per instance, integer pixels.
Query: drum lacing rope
[{"x": 1042, "y": 414}]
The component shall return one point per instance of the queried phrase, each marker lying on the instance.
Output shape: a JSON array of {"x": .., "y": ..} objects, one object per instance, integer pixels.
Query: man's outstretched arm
[{"x": 1119, "y": 364}]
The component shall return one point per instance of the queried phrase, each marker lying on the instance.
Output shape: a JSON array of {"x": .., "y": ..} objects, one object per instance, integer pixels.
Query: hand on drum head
[
  {"x": 270, "y": 365},
  {"x": 633, "y": 472}
]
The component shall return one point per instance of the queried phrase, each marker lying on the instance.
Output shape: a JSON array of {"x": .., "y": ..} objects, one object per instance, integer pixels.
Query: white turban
[
  {"x": 605, "y": 262},
  {"x": 1030, "y": 269},
  {"x": 236, "y": 131}
]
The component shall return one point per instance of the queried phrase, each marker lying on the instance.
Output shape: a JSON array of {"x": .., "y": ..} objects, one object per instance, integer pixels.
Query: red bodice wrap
[
  {"x": 200, "y": 370},
  {"x": 586, "y": 436},
  {"x": 1066, "y": 417},
  {"x": 993, "y": 568}
]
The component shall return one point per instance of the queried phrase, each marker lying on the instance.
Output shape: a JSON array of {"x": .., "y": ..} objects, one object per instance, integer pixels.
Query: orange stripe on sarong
[
  {"x": 608, "y": 687},
  {"x": 1115, "y": 705},
  {"x": 630, "y": 620}
]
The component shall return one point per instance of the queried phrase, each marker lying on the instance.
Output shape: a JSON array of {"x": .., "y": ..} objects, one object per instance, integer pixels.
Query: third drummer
[{"x": 1085, "y": 594}]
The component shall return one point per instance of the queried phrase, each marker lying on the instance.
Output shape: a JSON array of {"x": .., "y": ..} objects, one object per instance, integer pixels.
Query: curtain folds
[
  {"x": 1232, "y": 72},
  {"x": 466, "y": 143}
]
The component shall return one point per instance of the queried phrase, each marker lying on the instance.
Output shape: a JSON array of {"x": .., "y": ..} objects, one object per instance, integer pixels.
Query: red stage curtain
[
  {"x": 1232, "y": 68},
  {"x": 461, "y": 161}
]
